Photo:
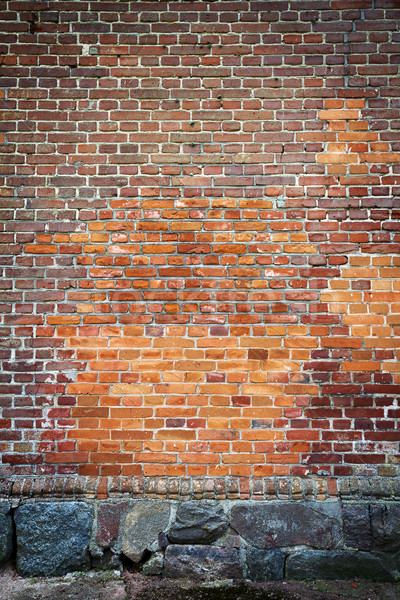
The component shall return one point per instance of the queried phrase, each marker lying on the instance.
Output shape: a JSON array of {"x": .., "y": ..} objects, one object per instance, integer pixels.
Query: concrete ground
[{"x": 112, "y": 585}]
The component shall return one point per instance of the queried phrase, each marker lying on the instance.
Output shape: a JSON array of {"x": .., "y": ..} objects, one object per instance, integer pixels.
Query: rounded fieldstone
[
  {"x": 198, "y": 523},
  {"x": 142, "y": 526}
]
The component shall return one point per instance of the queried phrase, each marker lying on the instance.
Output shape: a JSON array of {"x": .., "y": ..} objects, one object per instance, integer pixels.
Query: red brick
[{"x": 200, "y": 245}]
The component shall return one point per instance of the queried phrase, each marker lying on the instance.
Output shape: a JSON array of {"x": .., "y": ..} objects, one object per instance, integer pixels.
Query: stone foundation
[{"x": 204, "y": 539}]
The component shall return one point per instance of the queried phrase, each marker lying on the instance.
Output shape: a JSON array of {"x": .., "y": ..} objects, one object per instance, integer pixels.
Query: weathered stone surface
[
  {"x": 385, "y": 526},
  {"x": 109, "y": 524},
  {"x": 162, "y": 540},
  {"x": 272, "y": 525},
  {"x": 357, "y": 526},
  {"x": 202, "y": 563},
  {"x": 6, "y": 532},
  {"x": 154, "y": 565},
  {"x": 198, "y": 523},
  {"x": 53, "y": 538},
  {"x": 142, "y": 526},
  {"x": 372, "y": 527},
  {"x": 106, "y": 561},
  {"x": 340, "y": 564},
  {"x": 231, "y": 539},
  {"x": 265, "y": 565}
]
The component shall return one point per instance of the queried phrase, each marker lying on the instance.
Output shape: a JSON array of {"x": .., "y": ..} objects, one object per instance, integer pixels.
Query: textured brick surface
[{"x": 200, "y": 244}]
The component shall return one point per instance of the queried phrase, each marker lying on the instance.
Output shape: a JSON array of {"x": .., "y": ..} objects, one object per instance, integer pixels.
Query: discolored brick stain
[{"x": 201, "y": 240}]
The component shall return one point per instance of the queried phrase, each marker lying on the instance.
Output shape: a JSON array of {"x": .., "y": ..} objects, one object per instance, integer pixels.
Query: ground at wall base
[{"x": 112, "y": 585}]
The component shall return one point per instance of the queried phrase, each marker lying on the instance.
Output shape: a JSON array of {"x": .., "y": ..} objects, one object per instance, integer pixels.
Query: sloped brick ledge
[{"x": 200, "y": 488}]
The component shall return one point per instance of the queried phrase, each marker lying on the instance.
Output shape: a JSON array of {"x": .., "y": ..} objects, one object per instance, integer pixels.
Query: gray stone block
[
  {"x": 53, "y": 538},
  {"x": 6, "y": 532},
  {"x": 202, "y": 563},
  {"x": 273, "y": 525},
  {"x": 340, "y": 564},
  {"x": 198, "y": 523},
  {"x": 265, "y": 565},
  {"x": 385, "y": 527},
  {"x": 357, "y": 531},
  {"x": 372, "y": 527},
  {"x": 142, "y": 526}
]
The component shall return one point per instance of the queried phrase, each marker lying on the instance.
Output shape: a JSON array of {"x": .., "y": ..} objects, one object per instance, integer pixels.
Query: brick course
[{"x": 200, "y": 239}]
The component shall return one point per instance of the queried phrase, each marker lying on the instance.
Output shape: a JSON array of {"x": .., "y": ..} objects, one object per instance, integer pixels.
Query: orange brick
[{"x": 334, "y": 115}]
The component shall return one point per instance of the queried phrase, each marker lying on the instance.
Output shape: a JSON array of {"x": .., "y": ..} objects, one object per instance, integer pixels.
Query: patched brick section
[{"x": 201, "y": 244}]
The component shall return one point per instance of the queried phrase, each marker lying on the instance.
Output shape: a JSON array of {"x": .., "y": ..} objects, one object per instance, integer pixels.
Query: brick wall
[{"x": 201, "y": 238}]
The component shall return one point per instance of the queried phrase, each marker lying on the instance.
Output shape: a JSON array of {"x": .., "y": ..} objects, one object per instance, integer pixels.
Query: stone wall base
[{"x": 205, "y": 539}]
